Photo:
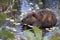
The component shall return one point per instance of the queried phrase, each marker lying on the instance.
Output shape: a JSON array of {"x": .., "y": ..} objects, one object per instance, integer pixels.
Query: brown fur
[{"x": 42, "y": 18}]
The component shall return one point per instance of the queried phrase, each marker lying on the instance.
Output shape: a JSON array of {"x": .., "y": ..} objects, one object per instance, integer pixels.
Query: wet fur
[{"x": 41, "y": 18}]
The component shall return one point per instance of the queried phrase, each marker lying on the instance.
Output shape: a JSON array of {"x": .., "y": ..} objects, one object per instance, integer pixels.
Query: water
[
  {"x": 52, "y": 4},
  {"x": 26, "y": 6}
]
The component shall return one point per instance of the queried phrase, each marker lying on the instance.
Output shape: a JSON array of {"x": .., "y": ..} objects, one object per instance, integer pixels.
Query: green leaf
[
  {"x": 29, "y": 35},
  {"x": 38, "y": 33},
  {"x": 5, "y": 34}
]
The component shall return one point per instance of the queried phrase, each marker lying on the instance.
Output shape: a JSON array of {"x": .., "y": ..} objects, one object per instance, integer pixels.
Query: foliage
[
  {"x": 29, "y": 35},
  {"x": 5, "y": 35},
  {"x": 2, "y": 18},
  {"x": 37, "y": 35},
  {"x": 4, "y": 1}
]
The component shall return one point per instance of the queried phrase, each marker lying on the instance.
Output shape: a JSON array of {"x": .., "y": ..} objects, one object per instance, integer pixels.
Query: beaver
[{"x": 42, "y": 18}]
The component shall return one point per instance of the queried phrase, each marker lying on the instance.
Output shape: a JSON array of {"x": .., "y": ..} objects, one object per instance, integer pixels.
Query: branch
[{"x": 9, "y": 8}]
